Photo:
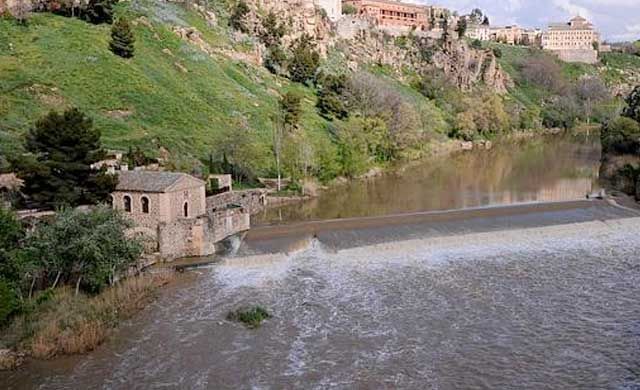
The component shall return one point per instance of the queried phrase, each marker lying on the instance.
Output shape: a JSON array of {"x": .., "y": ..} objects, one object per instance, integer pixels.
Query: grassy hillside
[{"x": 149, "y": 101}]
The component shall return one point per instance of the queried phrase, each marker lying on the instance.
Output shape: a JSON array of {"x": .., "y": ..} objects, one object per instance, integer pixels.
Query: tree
[
  {"x": 89, "y": 249},
  {"x": 476, "y": 16},
  {"x": 99, "y": 11},
  {"x": 122, "y": 39},
  {"x": 461, "y": 28},
  {"x": 330, "y": 95},
  {"x": 238, "y": 15},
  {"x": 545, "y": 72},
  {"x": 632, "y": 110},
  {"x": 58, "y": 170},
  {"x": 589, "y": 92},
  {"x": 305, "y": 60},
  {"x": 20, "y": 11},
  {"x": 272, "y": 31},
  {"x": 621, "y": 135},
  {"x": 485, "y": 21},
  {"x": 291, "y": 109}
]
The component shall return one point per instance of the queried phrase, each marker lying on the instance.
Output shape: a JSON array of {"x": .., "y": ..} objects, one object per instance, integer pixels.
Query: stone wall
[
  {"x": 185, "y": 238},
  {"x": 195, "y": 197},
  {"x": 149, "y": 220},
  {"x": 225, "y": 223},
  {"x": 252, "y": 201},
  {"x": 586, "y": 56}
]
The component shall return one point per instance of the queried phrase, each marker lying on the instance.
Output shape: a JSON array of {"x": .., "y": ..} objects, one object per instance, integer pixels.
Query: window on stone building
[
  {"x": 127, "y": 203},
  {"x": 145, "y": 204},
  {"x": 186, "y": 209}
]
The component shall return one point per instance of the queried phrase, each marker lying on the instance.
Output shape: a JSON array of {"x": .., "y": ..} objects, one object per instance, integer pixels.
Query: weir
[{"x": 353, "y": 232}]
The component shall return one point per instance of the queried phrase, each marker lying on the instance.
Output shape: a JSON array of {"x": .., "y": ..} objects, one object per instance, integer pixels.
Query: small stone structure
[{"x": 170, "y": 210}]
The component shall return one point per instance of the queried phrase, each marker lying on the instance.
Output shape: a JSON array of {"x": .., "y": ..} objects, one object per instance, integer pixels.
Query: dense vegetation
[
  {"x": 85, "y": 249},
  {"x": 621, "y": 148}
]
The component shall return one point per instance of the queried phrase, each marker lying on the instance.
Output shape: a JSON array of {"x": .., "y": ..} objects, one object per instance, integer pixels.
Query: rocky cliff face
[
  {"x": 300, "y": 17},
  {"x": 465, "y": 67}
]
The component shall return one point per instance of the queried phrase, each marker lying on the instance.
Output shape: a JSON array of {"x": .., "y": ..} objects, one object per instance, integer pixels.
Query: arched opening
[
  {"x": 186, "y": 209},
  {"x": 127, "y": 203},
  {"x": 145, "y": 204}
]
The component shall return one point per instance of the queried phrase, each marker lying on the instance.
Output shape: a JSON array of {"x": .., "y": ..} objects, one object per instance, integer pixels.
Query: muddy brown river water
[{"x": 534, "y": 297}]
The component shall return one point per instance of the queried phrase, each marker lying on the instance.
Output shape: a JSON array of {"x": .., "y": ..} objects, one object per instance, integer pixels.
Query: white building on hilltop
[
  {"x": 576, "y": 41},
  {"x": 333, "y": 8}
]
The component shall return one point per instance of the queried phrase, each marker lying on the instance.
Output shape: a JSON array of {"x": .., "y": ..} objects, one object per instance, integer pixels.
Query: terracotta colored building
[{"x": 398, "y": 14}]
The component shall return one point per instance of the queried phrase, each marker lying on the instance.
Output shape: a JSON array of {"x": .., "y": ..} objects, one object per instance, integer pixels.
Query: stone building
[
  {"x": 576, "y": 41},
  {"x": 512, "y": 35},
  {"x": 169, "y": 209},
  {"x": 399, "y": 16}
]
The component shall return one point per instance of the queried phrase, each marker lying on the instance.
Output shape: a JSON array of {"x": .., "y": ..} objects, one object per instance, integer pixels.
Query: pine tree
[
  {"x": 58, "y": 171},
  {"x": 122, "y": 39},
  {"x": 305, "y": 60}
]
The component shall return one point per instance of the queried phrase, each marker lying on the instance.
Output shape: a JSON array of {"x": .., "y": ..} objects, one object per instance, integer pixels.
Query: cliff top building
[
  {"x": 400, "y": 16},
  {"x": 575, "y": 41}
]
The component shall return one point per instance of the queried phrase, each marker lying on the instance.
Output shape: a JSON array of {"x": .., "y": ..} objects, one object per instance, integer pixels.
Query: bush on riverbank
[
  {"x": 251, "y": 317},
  {"x": 59, "y": 322}
]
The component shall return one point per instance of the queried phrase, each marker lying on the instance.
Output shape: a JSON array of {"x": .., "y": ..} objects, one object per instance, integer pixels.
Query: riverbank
[{"x": 59, "y": 322}]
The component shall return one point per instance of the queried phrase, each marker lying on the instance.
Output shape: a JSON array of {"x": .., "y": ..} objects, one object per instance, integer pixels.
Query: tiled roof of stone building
[{"x": 154, "y": 181}]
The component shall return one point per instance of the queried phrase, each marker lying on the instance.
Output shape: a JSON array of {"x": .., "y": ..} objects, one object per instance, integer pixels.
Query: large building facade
[
  {"x": 576, "y": 41},
  {"x": 400, "y": 15}
]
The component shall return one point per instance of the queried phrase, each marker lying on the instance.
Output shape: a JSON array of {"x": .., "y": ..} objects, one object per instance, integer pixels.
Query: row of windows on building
[{"x": 144, "y": 205}]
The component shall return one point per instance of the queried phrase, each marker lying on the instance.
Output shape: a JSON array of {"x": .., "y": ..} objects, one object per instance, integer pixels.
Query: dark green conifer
[{"x": 122, "y": 39}]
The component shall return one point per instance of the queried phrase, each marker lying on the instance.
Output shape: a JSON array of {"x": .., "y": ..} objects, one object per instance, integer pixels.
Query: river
[
  {"x": 497, "y": 301},
  {"x": 548, "y": 169}
]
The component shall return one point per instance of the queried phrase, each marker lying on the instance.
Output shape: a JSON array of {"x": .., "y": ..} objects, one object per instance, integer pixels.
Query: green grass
[
  {"x": 58, "y": 62},
  {"x": 251, "y": 317}
]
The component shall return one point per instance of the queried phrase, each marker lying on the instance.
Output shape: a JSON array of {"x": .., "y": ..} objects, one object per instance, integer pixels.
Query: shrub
[
  {"x": 477, "y": 44},
  {"x": 561, "y": 112},
  {"x": 238, "y": 15},
  {"x": 276, "y": 60},
  {"x": 8, "y": 301},
  {"x": 348, "y": 9},
  {"x": 633, "y": 105},
  {"x": 122, "y": 39},
  {"x": 622, "y": 135},
  {"x": 497, "y": 52},
  {"x": 544, "y": 72},
  {"x": 251, "y": 317},
  {"x": 99, "y": 11}
]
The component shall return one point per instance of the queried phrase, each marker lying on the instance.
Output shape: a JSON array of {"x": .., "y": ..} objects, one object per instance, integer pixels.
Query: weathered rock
[{"x": 10, "y": 359}]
